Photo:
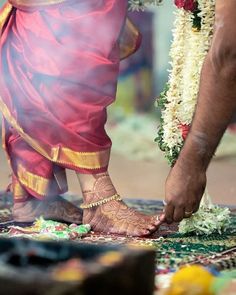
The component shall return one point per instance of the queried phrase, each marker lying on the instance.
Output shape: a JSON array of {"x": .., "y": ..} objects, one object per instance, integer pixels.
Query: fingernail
[{"x": 162, "y": 218}]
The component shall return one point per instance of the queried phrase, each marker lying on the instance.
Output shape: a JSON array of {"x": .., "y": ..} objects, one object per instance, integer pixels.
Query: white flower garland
[
  {"x": 172, "y": 135},
  {"x": 208, "y": 220},
  {"x": 199, "y": 43},
  {"x": 187, "y": 54}
]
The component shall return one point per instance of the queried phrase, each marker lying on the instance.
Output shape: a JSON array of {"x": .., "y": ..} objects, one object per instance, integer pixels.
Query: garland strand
[
  {"x": 169, "y": 135},
  {"x": 192, "y": 36}
]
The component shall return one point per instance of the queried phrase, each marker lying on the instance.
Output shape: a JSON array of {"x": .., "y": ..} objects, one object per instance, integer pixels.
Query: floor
[{"x": 146, "y": 179}]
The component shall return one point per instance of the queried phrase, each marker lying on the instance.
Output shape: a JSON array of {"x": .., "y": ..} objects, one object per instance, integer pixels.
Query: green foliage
[
  {"x": 197, "y": 19},
  {"x": 162, "y": 100}
]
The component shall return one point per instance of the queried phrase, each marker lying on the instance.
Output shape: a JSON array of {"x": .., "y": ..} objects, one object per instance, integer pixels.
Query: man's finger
[
  {"x": 196, "y": 207},
  {"x": 178, "y": 214},
  {"x": 169, "y": 211},
  {"x": 188, "y": 211},
  {"x": 162, "y": 217}
]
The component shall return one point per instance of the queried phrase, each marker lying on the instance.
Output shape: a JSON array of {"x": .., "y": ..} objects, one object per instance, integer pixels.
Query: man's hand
[
  {"x": 185, "y": 186},
  {"x": 216, "y": 105}
]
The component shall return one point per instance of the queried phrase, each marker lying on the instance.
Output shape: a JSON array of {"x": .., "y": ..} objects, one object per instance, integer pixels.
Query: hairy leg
[{"x": 114, "y": 216}]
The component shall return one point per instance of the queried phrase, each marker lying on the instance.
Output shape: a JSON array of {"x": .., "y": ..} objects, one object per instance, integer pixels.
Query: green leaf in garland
[{"x": 197, "y": 20}]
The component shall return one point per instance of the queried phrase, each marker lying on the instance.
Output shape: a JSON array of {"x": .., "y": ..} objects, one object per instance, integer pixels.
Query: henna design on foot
[{"x": 114, "y": 217}]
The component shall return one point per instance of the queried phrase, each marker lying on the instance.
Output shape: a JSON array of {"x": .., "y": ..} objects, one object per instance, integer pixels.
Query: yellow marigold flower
[{"x": 191, "y": 280}]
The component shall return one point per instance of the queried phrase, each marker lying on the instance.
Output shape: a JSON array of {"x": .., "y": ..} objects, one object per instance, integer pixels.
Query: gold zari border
[
  {"x": 19, "y": 192},
  {"x": 92, "y": 160},
  {"x": 36, "y": 183},
  {"x": 4, "y": 13},
  {"x": 41, "y": 185},
  {"x": 37, "y": 3},
  {"x": 61, "y": 155}
]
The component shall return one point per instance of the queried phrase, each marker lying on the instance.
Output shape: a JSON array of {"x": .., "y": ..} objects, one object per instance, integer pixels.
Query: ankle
[
  {"x": 91, "y": 196},
  {"x": 96, "y": 186},
  {"x": 98, "y": 203}
]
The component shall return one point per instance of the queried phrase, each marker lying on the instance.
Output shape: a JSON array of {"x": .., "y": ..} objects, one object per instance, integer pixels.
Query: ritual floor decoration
[
  {"x": 48, "y": 230},
  {"x": 172, "y": 249}
]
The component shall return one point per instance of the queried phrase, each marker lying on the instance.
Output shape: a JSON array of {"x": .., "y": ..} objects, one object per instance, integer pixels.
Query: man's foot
[
  {"x": 114, "y": 217},
  {"x": 57, "y": 209}
]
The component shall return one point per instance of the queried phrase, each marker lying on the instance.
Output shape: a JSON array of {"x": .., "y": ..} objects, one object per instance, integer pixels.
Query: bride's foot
[
  {"x": 116, "y": 217},
  {"x": 113, "y": 217},
  {"x": 57, "y": 209}
]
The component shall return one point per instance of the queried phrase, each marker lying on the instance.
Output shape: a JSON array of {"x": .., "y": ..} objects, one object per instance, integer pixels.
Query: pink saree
[{"x": 59, "y": 65}]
